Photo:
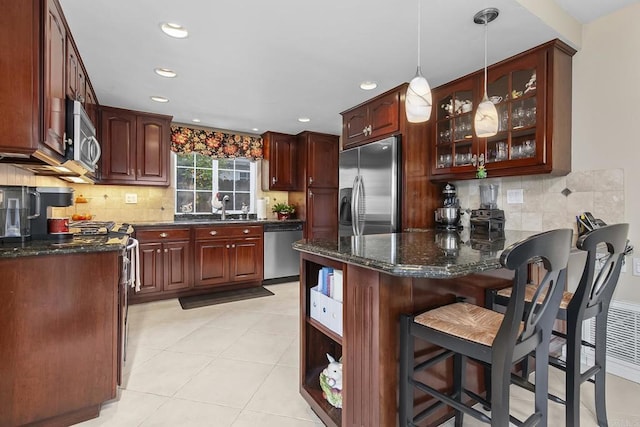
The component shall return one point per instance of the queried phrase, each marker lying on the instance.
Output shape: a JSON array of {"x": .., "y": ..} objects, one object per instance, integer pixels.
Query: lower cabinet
[
  {"x": 227, "y": 254},
  {"x": 181, "y": 261},
  {"x": 165, "y": 260}
]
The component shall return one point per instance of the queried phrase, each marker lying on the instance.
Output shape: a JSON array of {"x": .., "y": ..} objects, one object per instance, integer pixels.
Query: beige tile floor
[{"x": 237, "y": 365}]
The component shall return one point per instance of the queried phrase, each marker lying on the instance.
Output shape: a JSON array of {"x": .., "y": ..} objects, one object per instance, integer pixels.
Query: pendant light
[
  {"x": 486, "y": 119},
  {"x": 418, "y": 99}
]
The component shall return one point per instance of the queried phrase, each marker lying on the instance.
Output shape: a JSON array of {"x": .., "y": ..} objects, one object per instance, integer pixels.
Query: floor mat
[{"x": 222, "y": 297}]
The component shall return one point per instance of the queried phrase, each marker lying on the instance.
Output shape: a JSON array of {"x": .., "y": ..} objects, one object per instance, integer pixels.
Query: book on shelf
[{"x": 330, "y": 283}]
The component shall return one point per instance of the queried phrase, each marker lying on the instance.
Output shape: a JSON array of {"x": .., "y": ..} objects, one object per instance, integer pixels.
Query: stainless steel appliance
[
  {"x": 488, "y": 219},
  {"x": 448, "y": 216},
  {"x": 369, "y": 197},
  {"x": 50, "y": 196},
  {"x": 19, "y": 205},
  {"x": 281, "y": 262},
  {"x": 82, "y": 146}
]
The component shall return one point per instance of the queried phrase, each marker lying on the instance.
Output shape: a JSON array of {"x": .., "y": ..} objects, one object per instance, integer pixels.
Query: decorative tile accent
[{"x": 566, "y": 192}]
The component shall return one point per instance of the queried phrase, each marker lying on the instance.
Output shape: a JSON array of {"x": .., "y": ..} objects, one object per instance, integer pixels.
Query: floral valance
[{"x": 215, "y": 143}]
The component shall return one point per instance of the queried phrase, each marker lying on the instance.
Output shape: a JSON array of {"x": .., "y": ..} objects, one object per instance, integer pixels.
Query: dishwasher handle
[{"x": 275, "y": 227}]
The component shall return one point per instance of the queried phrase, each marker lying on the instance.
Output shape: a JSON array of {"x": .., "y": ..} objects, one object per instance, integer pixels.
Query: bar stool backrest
[
  {"x": 552, "y": 249},
  {"x": 594, "y": 292}
]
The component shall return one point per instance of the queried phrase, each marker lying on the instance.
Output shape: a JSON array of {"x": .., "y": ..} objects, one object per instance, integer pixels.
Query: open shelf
[
  {"x": 311, "y": 387},
  {"x": 328, "y": 332}
]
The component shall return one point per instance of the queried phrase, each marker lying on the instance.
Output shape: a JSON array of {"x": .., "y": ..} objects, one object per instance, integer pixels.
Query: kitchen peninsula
[{"x": 385, "y": 275}]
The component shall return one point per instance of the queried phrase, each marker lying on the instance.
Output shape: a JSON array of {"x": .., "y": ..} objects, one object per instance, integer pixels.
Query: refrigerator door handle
[
  {"x": 354, "y": 205},
  {"x": 358, "y": 206}
]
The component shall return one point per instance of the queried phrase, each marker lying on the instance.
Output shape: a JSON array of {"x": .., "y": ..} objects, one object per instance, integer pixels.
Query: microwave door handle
[{"x": 95, "y": 149}]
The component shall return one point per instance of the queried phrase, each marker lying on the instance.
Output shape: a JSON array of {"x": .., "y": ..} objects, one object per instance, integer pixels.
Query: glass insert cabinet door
[
  {"x": 455, "y": 147},
  {"x": 514, "y": 91}
]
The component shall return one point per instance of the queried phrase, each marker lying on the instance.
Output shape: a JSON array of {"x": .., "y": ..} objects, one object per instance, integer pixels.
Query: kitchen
[{"x": 600, "y": 184}]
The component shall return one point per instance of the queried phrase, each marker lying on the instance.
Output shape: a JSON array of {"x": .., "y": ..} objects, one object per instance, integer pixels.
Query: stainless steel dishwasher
[{"x": 280, "y": 260}]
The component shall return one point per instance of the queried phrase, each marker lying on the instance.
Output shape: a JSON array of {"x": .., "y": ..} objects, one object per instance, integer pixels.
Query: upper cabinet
[
  {"x": 370, "y": 121},
  {"x": 279, "y": 169},
  {"x": 135, "y": 147},
  {"x": 44, "y": 68},
  {"x": 532, "y": 94}
]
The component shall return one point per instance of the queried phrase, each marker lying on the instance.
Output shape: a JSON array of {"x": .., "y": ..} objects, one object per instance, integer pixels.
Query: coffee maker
[
  {"x": 488, "y": 221},
  {"x": 50, "y": 197},
  {"x": 448, "y": 216},
  {"x": 24, "y": 212}
]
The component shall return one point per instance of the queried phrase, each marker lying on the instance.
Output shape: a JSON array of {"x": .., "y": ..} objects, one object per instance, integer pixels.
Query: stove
[{"x": 81, "y": 228}]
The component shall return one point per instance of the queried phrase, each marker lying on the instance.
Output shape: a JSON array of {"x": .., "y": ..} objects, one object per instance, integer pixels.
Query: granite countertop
[
  {"x": 212, "y": 221},
  {"x": 78, "y": 244},
  {"x": 428, "y": 253}
]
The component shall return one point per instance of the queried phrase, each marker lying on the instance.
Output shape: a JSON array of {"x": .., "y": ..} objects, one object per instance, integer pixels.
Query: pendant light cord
[
  {"x": 419, "y": 29},
  {"x": 486, "y": 33}
]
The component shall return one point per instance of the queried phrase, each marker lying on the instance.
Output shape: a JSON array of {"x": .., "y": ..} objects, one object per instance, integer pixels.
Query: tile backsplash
[{"x": 545, "y": 205}]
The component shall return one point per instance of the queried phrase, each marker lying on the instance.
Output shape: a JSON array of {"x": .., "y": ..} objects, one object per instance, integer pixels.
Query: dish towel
[{"x": 133, "y": 249}]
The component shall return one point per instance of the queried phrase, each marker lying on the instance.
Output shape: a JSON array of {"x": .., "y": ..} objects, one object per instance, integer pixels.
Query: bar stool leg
[
  {"x": 459, "y": 369},
  {"x": 500, "y": 382},
  {"x": 601, "y": 360},
  {"x": 573, "y": 380},
  {"x": 542, "y": 382},
  {"x": 406, "y": 371}
]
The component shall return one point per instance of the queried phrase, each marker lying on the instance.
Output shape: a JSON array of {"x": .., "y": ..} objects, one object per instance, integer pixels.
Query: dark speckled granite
[
  {"x": 211, "y": 221},
  {"x": 427, "y": 253},
  {"x": 79, "y": 244}
]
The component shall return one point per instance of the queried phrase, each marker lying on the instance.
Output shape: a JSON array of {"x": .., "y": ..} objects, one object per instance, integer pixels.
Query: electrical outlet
[
  {"x": 636, "y": 266},
  {"x": 515, "y": 196},
  {"x": 131, "y": 198}
]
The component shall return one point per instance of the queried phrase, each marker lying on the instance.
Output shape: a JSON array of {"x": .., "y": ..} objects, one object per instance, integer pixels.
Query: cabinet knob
[
  {"x": 163, "y": 235},
  {"x": 228, "y": 246},
  {"x": 166, "y": 250},
  {"x": 213, "y": 232},
  {"x": 158, "y": 250},
  {"x": 310, "y": 193},
  {"x": 274, "y": 180},
  {"x": 310, "y": 180},
  {"x": 233, "y": 246},
  {"x": 245, "y": 231}
]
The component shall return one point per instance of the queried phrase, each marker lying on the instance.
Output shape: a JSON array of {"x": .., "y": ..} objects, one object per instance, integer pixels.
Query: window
[{"x": 199, "y": 178}]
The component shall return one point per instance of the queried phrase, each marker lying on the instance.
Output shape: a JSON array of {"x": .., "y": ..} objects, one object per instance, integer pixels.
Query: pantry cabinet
[
  {"x": 135, "y": 147},
  {"x": 372, "y": 120},
  {"x": 279, "y": 168},
  {"x": 227, "y": 255},
  {"x": 165, "y": 260},
  {"x": 532, "y": 94}
]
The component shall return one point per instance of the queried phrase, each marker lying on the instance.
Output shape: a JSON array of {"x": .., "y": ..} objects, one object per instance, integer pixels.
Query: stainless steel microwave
[{"x": 82, "y": 146}]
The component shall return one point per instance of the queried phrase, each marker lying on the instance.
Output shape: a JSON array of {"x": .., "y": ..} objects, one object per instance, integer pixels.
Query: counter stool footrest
[
  {"x": 527, "y": 385},
  {"x": 450, "y": 401},
  {"x": 436, "y": 359}
]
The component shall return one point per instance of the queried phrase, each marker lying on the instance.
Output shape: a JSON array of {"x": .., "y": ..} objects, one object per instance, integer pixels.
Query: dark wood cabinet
[
  {"x": 165, "y": 260},
  {"x": 55, "y": 37},
  {"x": 38, "y": 55},
  {"x": 373, "y": 120},
  {"x": 317, "y": 202},
  {"x": 91, "y": 104},
  {"x": 279, "y": 168},
  {"x": 135, "y": 147},
  {"x": 227, "y": 255},
  {"x": 386, "y": 115},
  {"x": 532, "y": 94}
]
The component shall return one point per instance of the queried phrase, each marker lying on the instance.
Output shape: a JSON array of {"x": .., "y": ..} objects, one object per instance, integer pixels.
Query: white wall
[{"x": 606, "y": 123}]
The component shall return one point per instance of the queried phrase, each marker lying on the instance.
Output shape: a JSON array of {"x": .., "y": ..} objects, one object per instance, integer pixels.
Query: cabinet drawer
[
  {"x": 159, "y": 234},
  {"x": 215, "y": 232}
]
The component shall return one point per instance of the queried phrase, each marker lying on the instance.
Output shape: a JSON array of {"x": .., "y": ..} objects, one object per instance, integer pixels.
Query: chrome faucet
[{"x": 223, "y": 209}]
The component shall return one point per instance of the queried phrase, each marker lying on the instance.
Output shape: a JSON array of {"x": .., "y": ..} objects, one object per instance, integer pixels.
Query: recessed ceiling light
[
  {"x": 255, "y": 129},
  {"x": 368, "y": 85},
  {"x": 160, "y": 99},
  {"x": 304, "y": 119},
  {"x": 165, "y": 72},
  {"x": 174, "y": 30},
  {"x": 195, "y": 120}
]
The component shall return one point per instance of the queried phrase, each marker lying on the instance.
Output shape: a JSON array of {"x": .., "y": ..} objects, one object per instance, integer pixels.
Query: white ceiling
[{"x": 262, "y": 64}]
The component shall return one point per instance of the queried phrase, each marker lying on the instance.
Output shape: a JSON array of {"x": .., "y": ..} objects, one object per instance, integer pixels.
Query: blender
[{"x": 488, "y": 221}]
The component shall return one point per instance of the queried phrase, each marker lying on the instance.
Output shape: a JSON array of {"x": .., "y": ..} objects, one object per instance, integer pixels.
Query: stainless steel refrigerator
[{"x": 369, "y": 196}]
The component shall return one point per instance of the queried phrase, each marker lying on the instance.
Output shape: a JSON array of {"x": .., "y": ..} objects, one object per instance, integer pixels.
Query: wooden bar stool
[
  {"x": 591, "y": 299},
  {"x": 500, "y": 340}
]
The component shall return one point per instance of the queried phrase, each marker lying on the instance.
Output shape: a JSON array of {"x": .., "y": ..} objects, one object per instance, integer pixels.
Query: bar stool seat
[
  {"x": 591, "y": 300},
  {"x": 465, "y": 331}
]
